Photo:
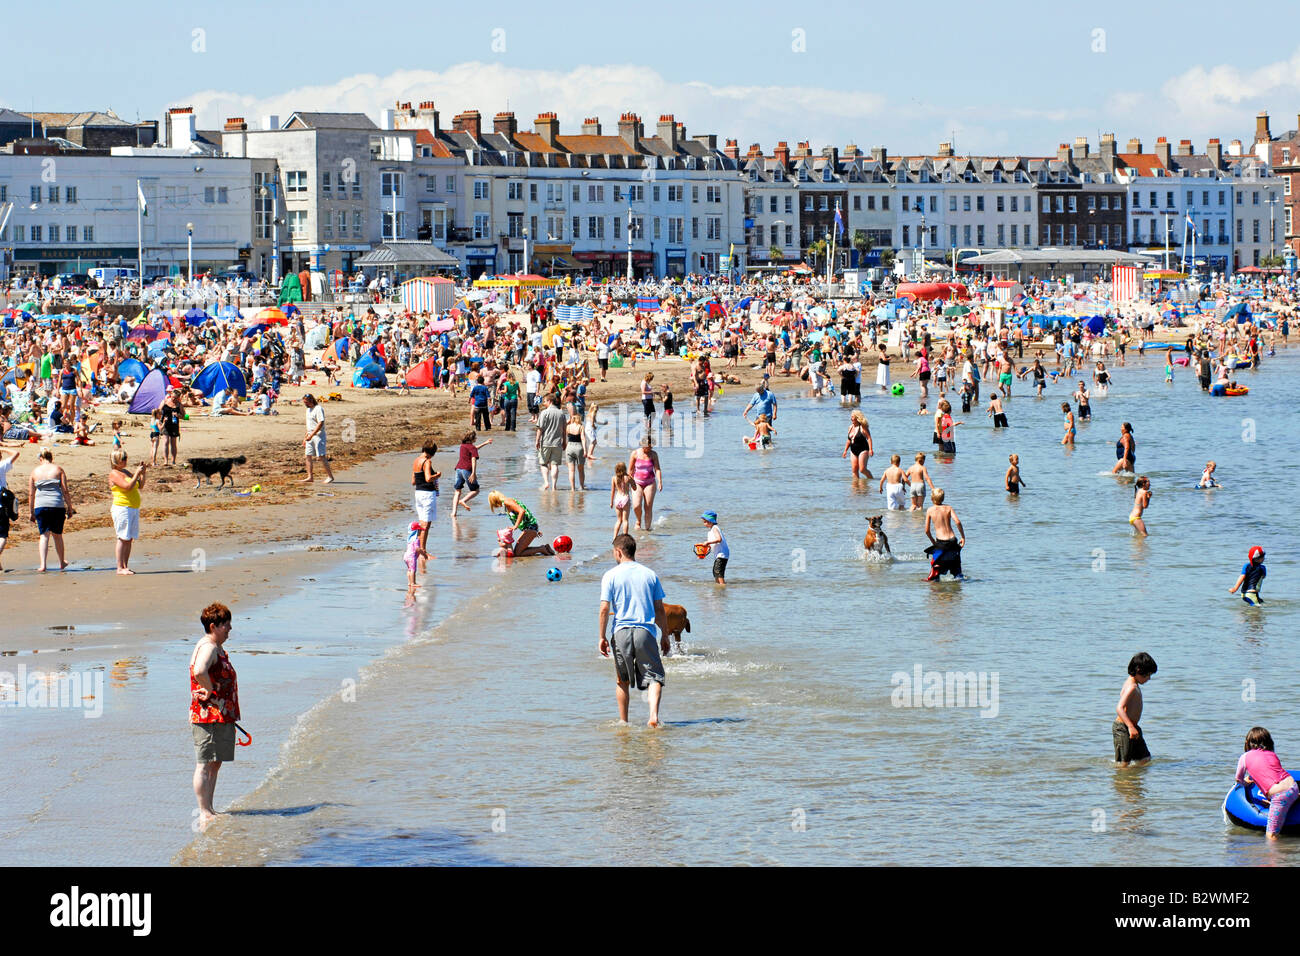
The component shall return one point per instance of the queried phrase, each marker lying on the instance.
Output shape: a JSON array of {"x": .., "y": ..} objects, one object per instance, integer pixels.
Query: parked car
[
  {"x": 72, "y": 280},
  {"x": 235, "y": 275}
]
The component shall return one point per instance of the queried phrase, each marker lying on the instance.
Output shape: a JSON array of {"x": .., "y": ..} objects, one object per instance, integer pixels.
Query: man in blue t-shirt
[
  {"x": 632, "y": 592},
  {"x": 479, "y": 396},
  {"x": 1252, "y": 576},
  {"x": 764, "y": 401}
]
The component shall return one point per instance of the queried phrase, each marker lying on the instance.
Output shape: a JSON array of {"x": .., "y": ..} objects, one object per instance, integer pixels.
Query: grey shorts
[
  {"x": 636, "y": 657},
  {"x": 214, "y": 742},
  {"x": 550, "y": 454}
]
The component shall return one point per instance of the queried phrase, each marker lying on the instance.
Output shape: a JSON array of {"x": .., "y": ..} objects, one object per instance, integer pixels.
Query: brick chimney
[
  {"x": 945, "y": 149},
  {"x": 1184, "y": 147},
  {"x": 1234, "y": 148},
  {"x": 681, "y": 132},
  {"x": 504, "y": 124},
  {"x": 428, "y": 117},
  {"x": 591, "y": 126},
  {"x": 235, "y": 124},
  {"x": 851, "y": 151},
  {"x": 667, "y": 130},
  {"x": 1135, "y": 146},
  {"x": 1081, "y": 147},
  {"x": 802, "y": 150},
  {"x": 879, "y": 154},
  {"x": 1063, "y": 153},
  {"x": 181, "y": 130},
  {"x": 1214, "y": 151},
  {"x": 782, "y": 154},
  {"x": 547, "y": 126},
  {"x": 629, "y": 128},
  {"x": 1262, "y": 134},
  {"x": 732, "y": 149},
  {"x": 469, "y": 122},
  {"x": 708, "y": 140},
  {"x": 1106, "y": 150},
  {"x": 1163, "y": 152},
  {"x": 832, "y": 155},
  {"x": 755, "y": 151}
]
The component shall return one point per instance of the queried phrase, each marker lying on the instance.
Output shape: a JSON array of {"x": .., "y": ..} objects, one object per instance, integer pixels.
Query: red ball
[{"x": 563, "y": 544}]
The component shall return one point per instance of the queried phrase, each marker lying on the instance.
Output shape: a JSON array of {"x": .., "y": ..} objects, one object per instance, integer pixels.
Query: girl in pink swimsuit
[{"x": 1261, "y": 764}]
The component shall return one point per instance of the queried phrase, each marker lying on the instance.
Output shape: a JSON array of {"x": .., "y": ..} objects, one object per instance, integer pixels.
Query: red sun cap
[{"x": 1255, "y": 552}]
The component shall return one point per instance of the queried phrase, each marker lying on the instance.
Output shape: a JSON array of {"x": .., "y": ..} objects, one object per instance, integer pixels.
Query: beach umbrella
[
  {"x": 272, "y": 316},
  {"x": 956, "y": 310},
  {"x": 229, "y": 312},
  {"x": 254, "y": 330},
  {"x": 196, "y": 317},
  {"x": 142, "y": 333},
  {"x": 292, "y": 310}
]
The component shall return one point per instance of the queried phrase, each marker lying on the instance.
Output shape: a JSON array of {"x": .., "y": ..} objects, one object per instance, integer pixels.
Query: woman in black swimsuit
[
  {"x": 859, "y": 444},
  {"x": 1125, "y": 450}
]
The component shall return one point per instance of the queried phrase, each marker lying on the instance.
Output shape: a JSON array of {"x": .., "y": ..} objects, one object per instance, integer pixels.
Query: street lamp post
[
  {"x": 526, "y": 260},
  {"x": 1271, "y": 202},
  {"x": 922, "y": 247},
  {"x": 189, "y": 249},
  {"x": 629, "y": 242}
]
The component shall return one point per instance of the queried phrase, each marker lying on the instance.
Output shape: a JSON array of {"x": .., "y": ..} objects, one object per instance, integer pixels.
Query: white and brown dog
[{"x": 876, "y": 540}]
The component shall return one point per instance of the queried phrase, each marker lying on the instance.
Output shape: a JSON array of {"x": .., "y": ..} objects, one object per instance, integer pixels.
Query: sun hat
[
  {"x": 710, "y": 516},
  {"x": 1255, "y": 552}
]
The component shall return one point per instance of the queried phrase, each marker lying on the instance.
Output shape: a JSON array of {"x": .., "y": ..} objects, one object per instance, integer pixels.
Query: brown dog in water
[
  {"x": 676, "y": 621},
  {"x": 875, "y": 539}
]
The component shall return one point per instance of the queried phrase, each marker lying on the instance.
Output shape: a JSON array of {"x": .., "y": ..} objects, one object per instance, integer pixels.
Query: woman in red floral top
[{"x": 214, "y": 706}]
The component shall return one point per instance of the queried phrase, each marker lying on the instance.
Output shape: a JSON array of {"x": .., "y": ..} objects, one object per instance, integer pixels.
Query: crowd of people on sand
[{"x": 62, "y": 370}]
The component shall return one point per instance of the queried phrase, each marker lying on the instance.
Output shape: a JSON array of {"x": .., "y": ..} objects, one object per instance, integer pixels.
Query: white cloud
[{"x": 752, "y": 113}]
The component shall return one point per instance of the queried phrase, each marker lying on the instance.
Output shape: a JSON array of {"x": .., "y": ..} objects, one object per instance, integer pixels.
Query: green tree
[
  {"x": 775, "y": 253},
  {"x": 819, "y": 250},
  {"x": 861, "y": 241}
]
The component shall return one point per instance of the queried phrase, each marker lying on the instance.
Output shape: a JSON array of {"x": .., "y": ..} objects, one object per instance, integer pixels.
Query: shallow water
[{"x": 482, "y": 727}]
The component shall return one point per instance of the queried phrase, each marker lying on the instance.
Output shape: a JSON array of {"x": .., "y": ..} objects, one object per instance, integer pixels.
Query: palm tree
[
  {"x": 861, "y": 241},
  {"x": 775, "y": 253},
  {"x": 818, "y": 249}
]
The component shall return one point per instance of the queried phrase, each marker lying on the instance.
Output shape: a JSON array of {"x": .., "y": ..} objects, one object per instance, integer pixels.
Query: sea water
[{"x": 827, "y": 706}]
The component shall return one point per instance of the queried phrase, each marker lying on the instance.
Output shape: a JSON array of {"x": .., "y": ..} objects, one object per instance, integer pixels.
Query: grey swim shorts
[{"x": 636, "y": 657}]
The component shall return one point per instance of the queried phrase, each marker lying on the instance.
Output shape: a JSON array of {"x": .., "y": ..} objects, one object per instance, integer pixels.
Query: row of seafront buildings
[{"x": 332, "y": 191}]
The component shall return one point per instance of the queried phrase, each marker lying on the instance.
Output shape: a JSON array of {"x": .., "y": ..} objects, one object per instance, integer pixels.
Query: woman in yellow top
[{"x": 125, "y": 487}]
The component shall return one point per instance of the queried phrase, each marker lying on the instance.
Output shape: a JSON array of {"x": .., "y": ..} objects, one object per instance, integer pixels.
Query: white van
[{"x": 105, "y": 276}]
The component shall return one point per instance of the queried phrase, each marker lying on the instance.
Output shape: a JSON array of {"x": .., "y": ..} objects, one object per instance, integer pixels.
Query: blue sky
[{"x": 1015, "y": 80}]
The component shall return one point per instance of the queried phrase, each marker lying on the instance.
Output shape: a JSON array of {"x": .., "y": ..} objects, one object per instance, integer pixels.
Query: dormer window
[
  {"x": 997, "y": 175},
  {"x": 753, "y": 174},
  {"x": 827, "y": 175},
  {"x": 968, "y": 176},
  {"x": 778, "y": 174},
  {"x": 670, "y": 163},
  {"x": 803, "y": 174},
  {"x": 1087, "y": 177}
]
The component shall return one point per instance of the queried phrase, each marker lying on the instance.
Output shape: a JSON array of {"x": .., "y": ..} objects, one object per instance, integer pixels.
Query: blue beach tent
[
  {"x": 150, "y": 394},
  {"x": 221, "y": 377}
]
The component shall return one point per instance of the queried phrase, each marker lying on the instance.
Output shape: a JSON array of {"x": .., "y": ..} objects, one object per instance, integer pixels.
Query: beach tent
[
  {"x": 317, "y": 337},
  {"x": 1240, "y": 312},
  {"x": 229, "y": 312},
  {"x": 428, "y": 294},
  {"x": 196, "y": 317},
  {"x": 150, "y": 394},
  {"x": 1096, "y": 324},
  {"x": 221, "y": 377},
  {"x": 134, "y": 368},
  {"x": 422, "y": 375},
  {"x": 342, "y": 347},
  {"x": 291, "y": 289},
  {"x": 369, "y": 374}
]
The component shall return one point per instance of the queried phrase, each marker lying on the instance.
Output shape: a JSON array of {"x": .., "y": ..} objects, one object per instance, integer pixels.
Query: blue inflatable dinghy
[{"x": 1247, "y": 807}]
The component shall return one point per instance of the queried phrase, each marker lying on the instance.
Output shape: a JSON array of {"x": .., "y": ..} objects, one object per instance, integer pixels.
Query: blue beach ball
[{"x": 554, "y": 574}]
